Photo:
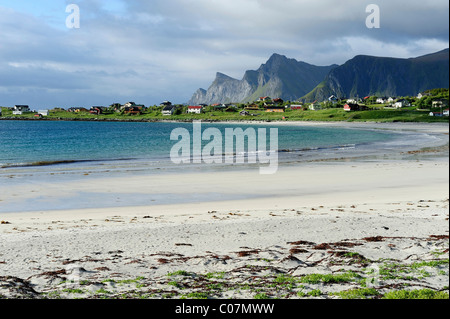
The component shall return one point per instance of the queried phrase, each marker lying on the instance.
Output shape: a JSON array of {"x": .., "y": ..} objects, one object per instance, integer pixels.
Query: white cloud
[{"x": 166, "y": 49}]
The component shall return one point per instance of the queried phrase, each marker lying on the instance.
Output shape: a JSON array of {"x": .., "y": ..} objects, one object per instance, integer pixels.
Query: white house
[
  {"x": 43, "y": 112},
  {"x": 391, "y": 100},
  {"x": 195, "y": 109},
  {"x": 168, "y": 110},
  {"x": 20, "y": 109},
  {"x": 421, "y": 95},
  {"x": 382, "y": 100},
  {"x": 401, "y": 103},
  {"x": 352, "y": 101}
]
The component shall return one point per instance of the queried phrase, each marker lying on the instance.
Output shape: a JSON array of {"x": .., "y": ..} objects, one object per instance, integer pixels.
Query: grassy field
[{"x": 332, "y": 114}]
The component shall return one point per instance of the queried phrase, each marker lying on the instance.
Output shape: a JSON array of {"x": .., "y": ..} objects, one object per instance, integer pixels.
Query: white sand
[{"x": 405, "y": 202}]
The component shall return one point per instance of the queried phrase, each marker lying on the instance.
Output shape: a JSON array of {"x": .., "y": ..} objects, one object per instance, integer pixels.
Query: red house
[{"x": 195, "y": 109}]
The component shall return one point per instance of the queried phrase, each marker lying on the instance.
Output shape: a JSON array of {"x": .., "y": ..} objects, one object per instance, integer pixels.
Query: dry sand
[{"x": 309, "y": 231}]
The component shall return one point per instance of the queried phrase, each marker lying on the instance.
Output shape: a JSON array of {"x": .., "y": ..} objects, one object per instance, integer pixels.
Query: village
[{"x": 433, "y": 103}]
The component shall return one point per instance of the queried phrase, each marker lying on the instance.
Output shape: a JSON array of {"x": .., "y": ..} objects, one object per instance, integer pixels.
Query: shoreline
[
  {"x": 316, "y": 232},
  {"x": 243, "y": 120}
]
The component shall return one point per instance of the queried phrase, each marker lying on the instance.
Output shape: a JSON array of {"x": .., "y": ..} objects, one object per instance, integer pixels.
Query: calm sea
[{"x": 46, "y": 143}]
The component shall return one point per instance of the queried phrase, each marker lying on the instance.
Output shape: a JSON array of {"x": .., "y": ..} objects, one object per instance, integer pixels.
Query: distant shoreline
[{"x": 246, "y": 120}]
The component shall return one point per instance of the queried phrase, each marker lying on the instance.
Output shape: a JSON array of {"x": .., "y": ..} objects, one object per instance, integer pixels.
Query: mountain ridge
[
  {"x": 279, "y": 76},
  {"x": 362, "y": 75},
  {"x": 384, "y": 76}
]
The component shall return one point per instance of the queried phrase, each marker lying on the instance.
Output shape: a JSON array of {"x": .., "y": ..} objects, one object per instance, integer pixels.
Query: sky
[{"x": 152, "y": 51}]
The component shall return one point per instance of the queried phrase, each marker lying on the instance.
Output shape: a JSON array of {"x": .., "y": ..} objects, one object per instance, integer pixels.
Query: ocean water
[
  {"x": 39, "y": 160},
  {"x": 72, "y": 143}
]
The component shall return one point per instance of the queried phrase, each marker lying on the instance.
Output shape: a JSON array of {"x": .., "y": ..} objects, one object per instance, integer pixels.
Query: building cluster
[{"x": 264, "y": 104}]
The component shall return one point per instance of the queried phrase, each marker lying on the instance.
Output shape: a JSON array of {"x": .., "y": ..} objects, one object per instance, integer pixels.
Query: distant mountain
[
  {"x": 367, "y": 75},
  {"x": 279, "y": 77}
]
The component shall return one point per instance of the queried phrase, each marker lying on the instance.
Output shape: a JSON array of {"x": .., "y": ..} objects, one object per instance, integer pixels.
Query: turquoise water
[
  {"x": 56, "y": 154},
  {"x": 35, "y": 143}
]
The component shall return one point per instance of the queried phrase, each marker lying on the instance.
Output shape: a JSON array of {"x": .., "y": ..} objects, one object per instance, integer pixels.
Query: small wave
[
  {"x": 40, "y": 163},
  {"x": 58, "y": 162},
  {"x": 311, "y": 149}
]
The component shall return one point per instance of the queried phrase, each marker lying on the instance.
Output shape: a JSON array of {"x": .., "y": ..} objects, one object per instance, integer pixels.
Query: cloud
[{"x": 150, "y": 51}]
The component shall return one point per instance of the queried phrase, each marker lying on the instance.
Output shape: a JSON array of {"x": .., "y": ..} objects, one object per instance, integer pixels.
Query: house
[
  {"x": 398, "y": 105},
  {"x": 440, "y": 103},
  {"x": 382, "y": 100},
  {"x": 231, "y": 108},
  {"x": 244, "y": 113},
  {"x": 401, "y": 103},
  {"x": 391, "y": 100},
  {"x": 265, "y": 99},
  {"x": 296, "y": 107},
  {"x": 252, "y": 107},
  {"x": 196, "y": 109},
  {"x": 445, "y": 113},
  {"x": 43, "y": 112},
  {"x": 352, "y": 101},
  {"x": 133, "y": 110},
  {"x": 278, "y": 101},
  {"x": 421, "y": 95},
  {"x": 128, "y": 104},
  {"x": 20, "y": 109},
  {"x": 77, "y": 110},
  {"x": 315, "y": 106},
  {"x": 168, "y": 110},
  {"x": 354, "y": 107},
  {"x": 275, "y": 109}
]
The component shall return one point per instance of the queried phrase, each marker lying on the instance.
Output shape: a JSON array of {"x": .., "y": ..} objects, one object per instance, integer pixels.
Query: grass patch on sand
[
  {"x": 359, "y": 293},
  {"x": 410, "y": 272},
  {"x": 330, "y": 278},
  {"x": 416, "y": 294}
]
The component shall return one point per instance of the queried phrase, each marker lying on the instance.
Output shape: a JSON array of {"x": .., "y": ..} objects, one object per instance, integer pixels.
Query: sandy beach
[{"x": 325, "y": 229}]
